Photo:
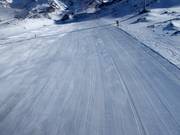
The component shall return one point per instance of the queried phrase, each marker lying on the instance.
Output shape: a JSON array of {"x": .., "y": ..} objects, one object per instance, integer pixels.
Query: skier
[{"x": 117, "y": 23}]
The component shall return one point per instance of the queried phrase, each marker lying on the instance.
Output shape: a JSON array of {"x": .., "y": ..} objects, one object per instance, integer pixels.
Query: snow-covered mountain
[
  {"x": 72, "y": 4},
  {"x": 29, "y": 4},
  {"x": 78, "y": 4},
  {"x": 44, "y": 6}
]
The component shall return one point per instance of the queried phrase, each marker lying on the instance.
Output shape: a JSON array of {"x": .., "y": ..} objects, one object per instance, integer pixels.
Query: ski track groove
[
  {"x": 136, "y": 115},
  {"x": 150, "y": 101}
]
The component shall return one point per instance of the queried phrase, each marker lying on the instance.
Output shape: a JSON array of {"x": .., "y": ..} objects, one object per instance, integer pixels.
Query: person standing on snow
[{"x": 117, "y": 23}]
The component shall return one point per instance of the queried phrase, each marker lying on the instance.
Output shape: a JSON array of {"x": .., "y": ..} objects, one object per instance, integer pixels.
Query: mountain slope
[{"x": 71, "y": 4}]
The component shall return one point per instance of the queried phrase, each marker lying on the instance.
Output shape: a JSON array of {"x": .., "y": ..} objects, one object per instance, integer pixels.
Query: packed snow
[
  {"x": 90, "y": 67},
  {"x": 159, "y": 28}
]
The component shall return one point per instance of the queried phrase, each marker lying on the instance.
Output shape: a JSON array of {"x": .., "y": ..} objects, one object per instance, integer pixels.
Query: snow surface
[
  {"x": 159, "y": 29},
  {"x": 91, "y": 77},
  {"x": 6, "y": 13},
  {"x": 77, "y": 81}
]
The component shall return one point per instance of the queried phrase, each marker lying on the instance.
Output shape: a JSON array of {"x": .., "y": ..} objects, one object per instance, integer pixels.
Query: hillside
[{"x": 89, "y": 67}]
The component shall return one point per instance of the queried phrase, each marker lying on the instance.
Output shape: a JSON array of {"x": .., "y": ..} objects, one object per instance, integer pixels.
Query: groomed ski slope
[{"x": 95, "y": 81}]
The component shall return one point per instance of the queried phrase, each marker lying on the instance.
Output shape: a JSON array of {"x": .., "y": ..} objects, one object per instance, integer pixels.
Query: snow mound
[
  {"x": 176, "y": 33},
  {"x": 166, "y": 12},
  {"x": 172, "y": 25},
  {"x": 141, "y": 20}
]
